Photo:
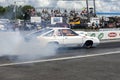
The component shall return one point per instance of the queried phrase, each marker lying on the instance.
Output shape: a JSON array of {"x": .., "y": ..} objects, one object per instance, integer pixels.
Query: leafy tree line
[
  {"x": 2, "y": 10},
  {"x": 16, "y": 12}
]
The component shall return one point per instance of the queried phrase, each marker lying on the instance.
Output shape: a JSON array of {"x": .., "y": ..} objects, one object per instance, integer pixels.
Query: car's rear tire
[{"x": 88, "y": 44}]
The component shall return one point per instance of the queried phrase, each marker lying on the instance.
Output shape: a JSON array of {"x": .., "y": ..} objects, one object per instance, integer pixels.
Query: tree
[
  {"x": 27, "y": 7},
  {"x": 2, "y": 10},
  {"x": 9, "y": 12},
  {"x": 27, "y": 11},
  {"x": 22, "y": 12}
]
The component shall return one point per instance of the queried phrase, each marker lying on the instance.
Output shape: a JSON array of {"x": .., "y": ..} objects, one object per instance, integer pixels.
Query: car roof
[
  {"x": 53, "y": 28},
  {"x": 57, "y": 28}
]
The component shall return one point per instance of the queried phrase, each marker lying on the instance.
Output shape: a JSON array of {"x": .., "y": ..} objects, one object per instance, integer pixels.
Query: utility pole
[
  {"x": 94, "y": 8},
  {"x": 14, "y": 10},
  {"x": 88, "y": 17}
]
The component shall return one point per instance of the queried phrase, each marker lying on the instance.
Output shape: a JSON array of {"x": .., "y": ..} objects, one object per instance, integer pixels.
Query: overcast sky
[{"x": 101, "y": 5}]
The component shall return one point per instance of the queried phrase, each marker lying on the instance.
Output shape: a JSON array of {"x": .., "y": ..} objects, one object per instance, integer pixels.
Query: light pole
[
  {"x": 87, "y": 10},
  {"x": 94, "y": 8},
  {"x": 14, "y": 10}
]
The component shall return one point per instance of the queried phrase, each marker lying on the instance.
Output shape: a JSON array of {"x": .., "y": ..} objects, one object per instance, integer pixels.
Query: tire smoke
[{"x": 13, "y": 45}]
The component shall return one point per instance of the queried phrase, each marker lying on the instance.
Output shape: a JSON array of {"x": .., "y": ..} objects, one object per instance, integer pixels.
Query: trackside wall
[{"x": 104, "y": 34}]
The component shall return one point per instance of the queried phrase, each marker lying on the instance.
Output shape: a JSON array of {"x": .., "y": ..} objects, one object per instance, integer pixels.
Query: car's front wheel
[{"x": 88, "y": 44}]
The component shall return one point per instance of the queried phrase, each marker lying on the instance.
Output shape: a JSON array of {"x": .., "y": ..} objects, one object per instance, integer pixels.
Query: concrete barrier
[{"x": 103, "y": 34}]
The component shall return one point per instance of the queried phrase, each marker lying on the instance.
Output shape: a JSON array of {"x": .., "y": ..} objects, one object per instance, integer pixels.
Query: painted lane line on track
[{"x": 59, "y": 59}]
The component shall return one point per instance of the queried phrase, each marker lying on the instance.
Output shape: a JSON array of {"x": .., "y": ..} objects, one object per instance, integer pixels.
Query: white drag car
[{"x": 62, "y": 37}]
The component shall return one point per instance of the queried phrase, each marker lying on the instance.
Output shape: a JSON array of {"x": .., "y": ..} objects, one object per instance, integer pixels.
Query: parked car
[{"x": 62, "y": 37}]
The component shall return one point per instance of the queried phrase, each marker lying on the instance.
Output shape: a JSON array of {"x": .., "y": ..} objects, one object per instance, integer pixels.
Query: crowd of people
[
  {"x": 81, "y": 16},
  {"x": 70, "y": 17}
]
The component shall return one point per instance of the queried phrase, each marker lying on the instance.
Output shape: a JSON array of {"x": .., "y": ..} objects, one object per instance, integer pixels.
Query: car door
[
  {"x": 54, "y": 36},
  {"x": 71, "y": 38}
]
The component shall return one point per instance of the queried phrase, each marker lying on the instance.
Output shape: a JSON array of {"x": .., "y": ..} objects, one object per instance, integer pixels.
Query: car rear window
[
  {"x": 68, "y": 32},
  {"x": 40, "y": 32}
]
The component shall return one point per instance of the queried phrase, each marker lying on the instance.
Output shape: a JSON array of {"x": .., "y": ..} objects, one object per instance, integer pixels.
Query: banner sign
[
  {"x": 55, "y": 20},
  {"x": 35, "y": 19},
  {"x": 78, "y": 22},
  {"x": 105, "y": 34},
  {"x": 102, "y": 35},
  {"x": 94, "y": 20}
]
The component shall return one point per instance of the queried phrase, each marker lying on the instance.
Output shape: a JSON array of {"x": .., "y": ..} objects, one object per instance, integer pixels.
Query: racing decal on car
[
  {"x": 112, "y": 34},
  {"x": 93, "y": 35},
  {"x": 100, "y": 36}
]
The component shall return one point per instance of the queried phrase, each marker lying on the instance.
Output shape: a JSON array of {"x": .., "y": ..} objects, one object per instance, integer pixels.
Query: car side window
[
  {"x": 49, "y": 34},
  {"x": 68, "y": 32},
  {"x": 58, "y": 33}
]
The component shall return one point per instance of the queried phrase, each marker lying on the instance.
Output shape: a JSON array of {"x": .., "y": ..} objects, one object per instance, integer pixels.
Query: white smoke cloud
[
  {"x": 13, "y": 45},
  {"x": 2, "y": 0}
]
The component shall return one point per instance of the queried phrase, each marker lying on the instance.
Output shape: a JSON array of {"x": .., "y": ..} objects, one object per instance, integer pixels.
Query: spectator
[
  {"x": 52, "y": 14},
  {"x": 93, "y": 25},
  {"x": 65, "y": 16}
]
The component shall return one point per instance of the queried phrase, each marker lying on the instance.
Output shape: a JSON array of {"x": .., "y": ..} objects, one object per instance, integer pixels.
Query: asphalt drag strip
[
  {"x": 99, "y": 67},
  {"x": 60, "y": 59}
]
